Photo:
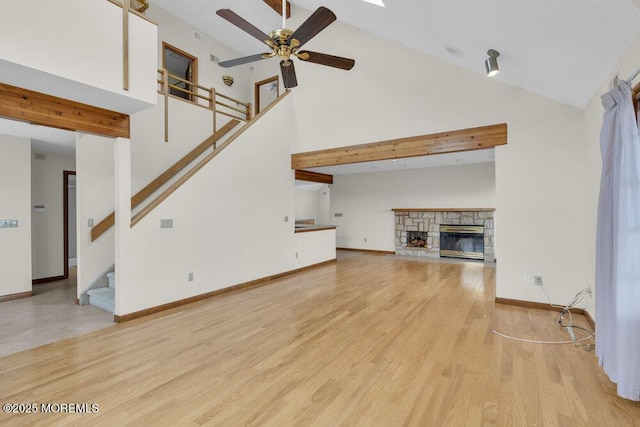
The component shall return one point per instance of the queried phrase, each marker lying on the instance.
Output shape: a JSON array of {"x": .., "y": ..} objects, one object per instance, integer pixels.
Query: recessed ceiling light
[
  {"x": 454, "y": 50},
  {"x": 376, "y": 2}
]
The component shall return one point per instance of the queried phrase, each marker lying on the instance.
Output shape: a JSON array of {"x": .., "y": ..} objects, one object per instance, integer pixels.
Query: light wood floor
[{"x": 371, "y": 340}]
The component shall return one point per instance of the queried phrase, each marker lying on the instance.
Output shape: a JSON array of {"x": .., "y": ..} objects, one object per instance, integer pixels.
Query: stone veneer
[{"x": 429, "y": 220}]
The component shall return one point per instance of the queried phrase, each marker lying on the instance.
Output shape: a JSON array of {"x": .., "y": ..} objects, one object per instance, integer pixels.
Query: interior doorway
[
  {"x": 183, "y": 70},
  {"x": 266, "y": 91},
  {"x": 69, "y": 222}
]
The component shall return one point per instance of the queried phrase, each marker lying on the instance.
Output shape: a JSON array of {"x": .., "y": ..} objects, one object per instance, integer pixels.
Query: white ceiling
[
  {"x": 561, "y": 49},
  {"x": 42, "y": 138}
]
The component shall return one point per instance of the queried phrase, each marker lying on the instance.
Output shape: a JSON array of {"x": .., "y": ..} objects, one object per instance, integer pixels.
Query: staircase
[{"x": 104, "y": 297}]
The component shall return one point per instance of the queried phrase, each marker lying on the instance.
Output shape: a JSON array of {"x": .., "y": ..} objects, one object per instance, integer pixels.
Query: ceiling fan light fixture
[
  {"x": 491, "y": 63},
  {"x": 228, "y": 80}
]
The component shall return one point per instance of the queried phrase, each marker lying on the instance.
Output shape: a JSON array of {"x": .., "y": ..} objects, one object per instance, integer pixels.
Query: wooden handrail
[
  {"x": 164, "y": 177},
  {"x": 184, "y": 178},
  {"x": 193, "y": 90}
]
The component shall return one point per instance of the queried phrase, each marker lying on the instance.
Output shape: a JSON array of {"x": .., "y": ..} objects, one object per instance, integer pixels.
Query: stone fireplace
[{"x": 467, "y": 233}]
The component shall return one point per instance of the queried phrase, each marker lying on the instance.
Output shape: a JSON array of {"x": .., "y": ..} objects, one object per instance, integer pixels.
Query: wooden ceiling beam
[
  {"x": 46, "y": 110},
  {"x": 277, "y": 6},
  {"x": 322, "y": 178},
  {"x": 478, "y": 138}
]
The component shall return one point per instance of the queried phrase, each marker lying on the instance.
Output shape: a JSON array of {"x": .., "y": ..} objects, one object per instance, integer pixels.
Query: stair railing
[
  {"x": 195, "y": 93},
  {"x": 137, "y": 199}
]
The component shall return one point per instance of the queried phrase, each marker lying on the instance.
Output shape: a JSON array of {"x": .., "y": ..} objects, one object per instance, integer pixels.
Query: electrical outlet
[
  {"x": 166, "y": 223},
  {"x": 190, "y": 277},
  {"x": 365, "y": 240},
  {"x": 90, "y": 222},
  {"x": 286, "y": 219},
  {"x": 296, "y": 255},
  {"x": 526, "y": 278},
  {"x": 537, "y": 280}
]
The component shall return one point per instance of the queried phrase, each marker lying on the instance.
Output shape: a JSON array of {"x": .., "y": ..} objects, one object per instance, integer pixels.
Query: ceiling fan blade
[
  {"x": 318, "y": 21},
  {"x": 328, "y": 60},
  {"x": 243, "y": 60},
  {"x": 288, "y": 75},
  {"x": 241, "y": 23}
]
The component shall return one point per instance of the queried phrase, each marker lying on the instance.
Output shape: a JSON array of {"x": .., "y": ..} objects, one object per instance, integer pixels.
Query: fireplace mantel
[{"x": 443, "y": 209}]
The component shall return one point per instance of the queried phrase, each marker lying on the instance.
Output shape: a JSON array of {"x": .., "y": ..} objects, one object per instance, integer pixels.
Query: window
[{"x": 183, "y": 66}]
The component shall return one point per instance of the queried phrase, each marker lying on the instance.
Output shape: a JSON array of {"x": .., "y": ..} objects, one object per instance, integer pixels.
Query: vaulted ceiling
[{"x": 564, "y": 50}]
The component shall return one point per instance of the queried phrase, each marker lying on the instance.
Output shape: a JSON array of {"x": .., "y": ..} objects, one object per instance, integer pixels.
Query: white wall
[
  {"x": 324, "y": 205},
  {"x": 540, "y": 174},
  {"x": 228, "y": 224},
  {"x": 73, "y": 49},
  {"x": 15, "y": 187},
  {"x": 306, "y": 204},
  {"x": 47, "y": 232},
  {"x": 314, "y": 247},
  {"x": 95, "y": 200},
  {"x": 365, "y": 200},
  {"x": 150, "y": 155}
]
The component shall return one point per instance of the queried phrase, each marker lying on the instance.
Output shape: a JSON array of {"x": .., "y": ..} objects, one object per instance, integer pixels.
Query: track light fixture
[{"x": 491, "y": 63}]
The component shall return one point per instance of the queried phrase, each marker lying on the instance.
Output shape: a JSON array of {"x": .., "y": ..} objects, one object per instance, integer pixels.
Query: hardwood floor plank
[{"x": 370, "y": 340}]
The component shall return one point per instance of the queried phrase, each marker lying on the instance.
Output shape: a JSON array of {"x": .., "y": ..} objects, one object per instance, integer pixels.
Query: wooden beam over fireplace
[{"x": 478, "y": 138}]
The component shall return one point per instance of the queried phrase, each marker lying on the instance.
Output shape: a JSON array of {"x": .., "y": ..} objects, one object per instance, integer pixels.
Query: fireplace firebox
[
  {"x": 462, "y": 241},
  {"x": 417, "y": 239}
]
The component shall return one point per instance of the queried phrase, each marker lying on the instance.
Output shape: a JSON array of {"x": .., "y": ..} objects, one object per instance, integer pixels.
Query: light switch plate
[
  {"x": 166, "y": 223},
  {"x": 90, "y": 222}
]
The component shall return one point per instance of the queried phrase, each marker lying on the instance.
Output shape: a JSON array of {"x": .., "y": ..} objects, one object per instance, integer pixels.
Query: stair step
[
  {"x": 104, "y": 298},
  {"x": 112, "y": 279}
]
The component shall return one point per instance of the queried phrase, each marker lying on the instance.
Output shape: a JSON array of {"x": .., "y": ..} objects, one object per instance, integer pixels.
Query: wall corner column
[{"x": 122, "y": 175}]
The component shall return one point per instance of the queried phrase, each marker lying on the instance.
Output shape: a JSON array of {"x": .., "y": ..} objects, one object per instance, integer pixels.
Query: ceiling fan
[{"x": 286, "y": 43}]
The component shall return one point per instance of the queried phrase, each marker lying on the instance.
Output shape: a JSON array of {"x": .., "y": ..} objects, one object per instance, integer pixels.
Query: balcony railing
[{"x": 201, "y": 96}]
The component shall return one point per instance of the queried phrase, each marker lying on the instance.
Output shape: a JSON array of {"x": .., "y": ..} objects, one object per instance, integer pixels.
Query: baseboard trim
[
  {"x": 241, "y": 286},
  {"x": 16, "y": 296},
  {"x": 368, "y": 251},
  {"x": 545, "y": 306},
  {"x": 590, "y": 319},
  {"x": 47, "y": 280}
]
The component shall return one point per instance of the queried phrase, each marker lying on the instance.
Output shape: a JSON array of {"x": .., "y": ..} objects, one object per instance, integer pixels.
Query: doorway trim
[
  {"x": 65, "y": 215},
  {"x": 256, "y": 88}
]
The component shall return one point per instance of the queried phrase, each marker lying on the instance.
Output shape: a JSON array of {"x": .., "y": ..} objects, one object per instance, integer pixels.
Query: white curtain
[{"x": 618, "y": 245}]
